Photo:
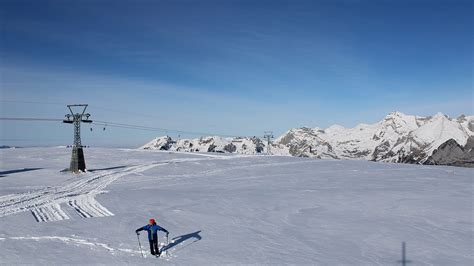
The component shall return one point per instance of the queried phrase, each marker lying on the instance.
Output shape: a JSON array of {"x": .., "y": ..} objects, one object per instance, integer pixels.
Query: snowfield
[{"x": 231, "y": 209}]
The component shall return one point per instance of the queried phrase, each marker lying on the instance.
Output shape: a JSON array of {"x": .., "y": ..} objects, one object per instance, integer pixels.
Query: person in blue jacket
[{"x": 152, "y": 228}]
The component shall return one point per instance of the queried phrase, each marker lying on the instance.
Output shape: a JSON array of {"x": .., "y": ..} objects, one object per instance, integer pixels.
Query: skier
[{"x": 152, "y": 228}]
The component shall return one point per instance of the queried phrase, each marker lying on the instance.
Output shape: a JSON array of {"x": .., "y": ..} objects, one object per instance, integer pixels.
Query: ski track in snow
[
  {"x": 81, "y": 242},
  {"x": 79, "y": 194},
  {"x": 74, "y": 241}
]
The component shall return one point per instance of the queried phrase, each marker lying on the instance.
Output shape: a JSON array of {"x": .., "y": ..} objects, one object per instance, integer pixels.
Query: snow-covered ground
[{"x": 231, "y": 209}]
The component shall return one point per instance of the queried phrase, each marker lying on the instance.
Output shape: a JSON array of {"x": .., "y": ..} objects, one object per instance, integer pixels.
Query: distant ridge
[{"x": 398, "y": 138}]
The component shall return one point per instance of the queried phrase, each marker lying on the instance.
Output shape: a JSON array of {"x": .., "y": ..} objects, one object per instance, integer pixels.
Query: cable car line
[{"x": 119, "y": 125}]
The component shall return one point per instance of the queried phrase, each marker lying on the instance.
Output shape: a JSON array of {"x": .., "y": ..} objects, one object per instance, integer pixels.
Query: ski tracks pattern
[
  {"x": 45, "y": 204},
  {"x": 77, "y": 193},
  {"x": 73, "y": 241}
]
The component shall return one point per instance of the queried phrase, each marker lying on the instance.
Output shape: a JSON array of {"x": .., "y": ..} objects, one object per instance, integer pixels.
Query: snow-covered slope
[
  {"x": 227, "y": 209},
  {"x": 397, "y": 138},
  {"x": 420, "y": 143}
]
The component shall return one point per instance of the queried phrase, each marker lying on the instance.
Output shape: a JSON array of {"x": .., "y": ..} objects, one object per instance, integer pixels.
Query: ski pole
[
  {"x": 140, "y": 245},
  {"x": 167, "y": 244}
]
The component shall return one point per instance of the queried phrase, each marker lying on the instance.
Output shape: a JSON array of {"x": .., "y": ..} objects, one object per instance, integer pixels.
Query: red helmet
[{"x": 151, "y": 221}]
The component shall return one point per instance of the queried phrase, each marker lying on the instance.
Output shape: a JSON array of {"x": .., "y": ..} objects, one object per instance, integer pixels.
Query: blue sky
[{"x": 229, "y": 67}]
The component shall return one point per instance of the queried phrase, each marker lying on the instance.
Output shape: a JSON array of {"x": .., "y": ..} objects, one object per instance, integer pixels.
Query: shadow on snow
[
  {"x": 180, "y": 239},
  {"x": 4, "y": 173}
]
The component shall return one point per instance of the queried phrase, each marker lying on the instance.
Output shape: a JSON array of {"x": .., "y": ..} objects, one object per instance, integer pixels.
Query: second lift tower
[
  {"x": 78, "y": 163},
  {"x": 269, "y": 136}
]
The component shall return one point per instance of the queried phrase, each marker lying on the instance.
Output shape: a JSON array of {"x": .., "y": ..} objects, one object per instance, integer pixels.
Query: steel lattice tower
[
  {"x": 78, "y": 162},
  {"x": 268, "y": 135}
]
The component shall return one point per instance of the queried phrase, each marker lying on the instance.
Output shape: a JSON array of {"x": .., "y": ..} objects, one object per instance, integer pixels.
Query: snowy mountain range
[
  {"x": 397, "y": 138},
  {"x": 242, "y": 145}
]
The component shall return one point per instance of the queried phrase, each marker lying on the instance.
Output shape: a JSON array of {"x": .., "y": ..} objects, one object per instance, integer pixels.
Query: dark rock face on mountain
[{"x": 451, "y": 153}]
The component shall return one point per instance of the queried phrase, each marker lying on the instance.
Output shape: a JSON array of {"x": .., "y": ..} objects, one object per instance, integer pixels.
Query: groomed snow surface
[{"x": 231, "y": 209}]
